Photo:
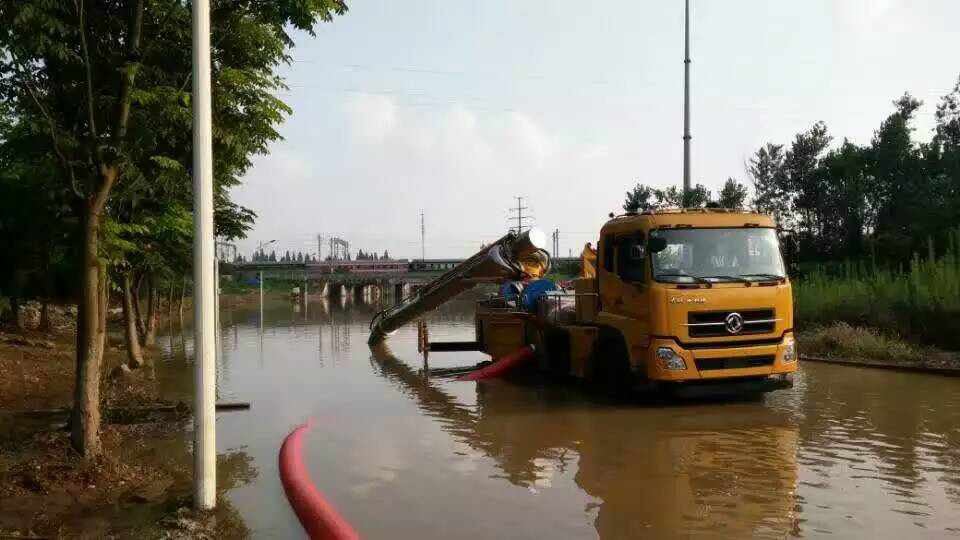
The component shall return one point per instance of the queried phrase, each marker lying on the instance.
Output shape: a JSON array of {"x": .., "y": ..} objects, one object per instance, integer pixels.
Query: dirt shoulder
[
  {"x": 863, "y": 346},
  {"x": 38, "y": 370},
  {"x": 140, "y": 487}
]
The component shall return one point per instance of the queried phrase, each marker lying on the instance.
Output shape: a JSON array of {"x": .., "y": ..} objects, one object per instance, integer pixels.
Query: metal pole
[
  {"x": 204, "y": 414},
  {"x": 261, "y": 301},
  {"x": 216, "y": 304},
  {"x": 423, "y": 241},
  {"x": 686, "y": 104}
]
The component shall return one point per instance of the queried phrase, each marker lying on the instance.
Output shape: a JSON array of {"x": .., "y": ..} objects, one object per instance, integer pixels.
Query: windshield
[{"x": 737, "y": 254}]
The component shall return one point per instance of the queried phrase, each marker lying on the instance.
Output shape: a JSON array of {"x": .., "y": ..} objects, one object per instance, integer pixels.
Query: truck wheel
[{"x": 610, "y": 364}]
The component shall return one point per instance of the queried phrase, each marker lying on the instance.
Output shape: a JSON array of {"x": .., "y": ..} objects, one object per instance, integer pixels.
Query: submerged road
[{"x": 847, "y": 453}]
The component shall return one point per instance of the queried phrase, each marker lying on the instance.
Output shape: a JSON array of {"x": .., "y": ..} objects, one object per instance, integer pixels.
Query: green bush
[
  {"x": 857, "y": 342},
  {"x": 920, "y": 300}
]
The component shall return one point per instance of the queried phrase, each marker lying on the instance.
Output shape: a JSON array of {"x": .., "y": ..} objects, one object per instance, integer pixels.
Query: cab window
[
  {"x": 631, "y": 257},
  {"x": 608, "y": 253}
]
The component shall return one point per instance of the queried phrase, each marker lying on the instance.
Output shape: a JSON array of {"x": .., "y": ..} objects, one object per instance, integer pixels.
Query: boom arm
[{"x": 511, "y": 257}]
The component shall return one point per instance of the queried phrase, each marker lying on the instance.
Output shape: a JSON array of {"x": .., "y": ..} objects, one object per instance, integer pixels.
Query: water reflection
[
  {"x": 850, "y": 453},
  {"x": 651, "y": 477}
]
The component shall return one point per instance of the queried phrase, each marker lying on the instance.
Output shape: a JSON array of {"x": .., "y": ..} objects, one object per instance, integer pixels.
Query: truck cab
[{"x": 692, "y": 299}]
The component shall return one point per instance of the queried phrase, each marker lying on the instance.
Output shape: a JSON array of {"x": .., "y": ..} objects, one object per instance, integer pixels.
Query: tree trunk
[
  {"x": 44, "y": 314},
  {"x": 103, "y": 286},
  {"x": 170, "y": 303},
  {"x": 183, "y": 295},
  {"x": 138, "y": 306},
  {"x": 15, "y": 301},
  {"x": 150, "y": 335},
  {"x": 134, "y": 354},
  {"x": 92, "y": 309},
  {"x": 47, "y": 292},
  {"x": 85, "y": 418}
]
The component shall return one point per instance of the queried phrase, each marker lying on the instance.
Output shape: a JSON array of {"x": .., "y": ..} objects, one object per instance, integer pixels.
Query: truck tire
[{"x": 610, "y": 364}]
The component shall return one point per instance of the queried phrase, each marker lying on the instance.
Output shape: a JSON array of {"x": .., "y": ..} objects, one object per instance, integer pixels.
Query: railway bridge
[
  {"x": 359, "y": 278},
  {"x": 339, "y": 277}
]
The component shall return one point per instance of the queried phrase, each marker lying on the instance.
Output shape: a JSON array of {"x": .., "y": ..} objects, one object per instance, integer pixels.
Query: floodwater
[{"x": 847, "y": 453}]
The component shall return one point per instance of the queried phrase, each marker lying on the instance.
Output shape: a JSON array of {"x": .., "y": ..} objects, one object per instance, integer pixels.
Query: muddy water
[{"x": 847, "y": 453}]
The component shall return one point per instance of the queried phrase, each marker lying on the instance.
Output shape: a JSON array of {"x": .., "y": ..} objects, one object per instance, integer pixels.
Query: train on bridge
[{"x": 399, "y": 266}]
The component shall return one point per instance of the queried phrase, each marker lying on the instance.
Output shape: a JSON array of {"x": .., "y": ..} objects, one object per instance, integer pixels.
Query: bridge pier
[
  {"x": 357, "y": 293},
  {"x": 334, "y": 290}
]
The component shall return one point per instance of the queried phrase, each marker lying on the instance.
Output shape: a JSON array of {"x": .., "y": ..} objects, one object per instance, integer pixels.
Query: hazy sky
[{"x": 453, "y": 107}]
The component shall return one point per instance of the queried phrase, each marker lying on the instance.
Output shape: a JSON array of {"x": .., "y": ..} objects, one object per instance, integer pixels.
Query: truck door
[
  {"x": 623, "y": 274},
  {"x": 631, "y": 271},
  {"x": 606, "y": 273},
  {"x": 625, "y": 292}
]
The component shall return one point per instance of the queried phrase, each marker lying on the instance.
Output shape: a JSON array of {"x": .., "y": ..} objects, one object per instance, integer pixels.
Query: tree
[
  {"x": 945, "y": 157},
  {"x": 643, "y": 197},
  {"x": 804, "y": 183},
  {"x": 640, "y": 198},
  {"x": 846, "y": 211},
  {"x": 85, "y": 76},
  {"x": 766, "y": 172},
  {"x": 672, "y": 197},
  {"x": 901, "y": 193},
  {"x": 386, "y": 256},
  {"x": 70, "y": 73},
  {"x": 733, "y": 194}
]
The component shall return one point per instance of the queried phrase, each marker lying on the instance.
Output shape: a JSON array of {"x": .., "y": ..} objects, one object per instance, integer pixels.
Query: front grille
[
  {"x": 704, "y": 364},
  {"x": 713, "y": 323}
]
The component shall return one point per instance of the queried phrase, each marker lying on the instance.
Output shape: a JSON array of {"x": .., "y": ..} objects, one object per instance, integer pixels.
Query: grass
[
  {"x": 920, "y": 301},
  {"x": 269, "y": 286},
  {"x": 858, "y": 343}
]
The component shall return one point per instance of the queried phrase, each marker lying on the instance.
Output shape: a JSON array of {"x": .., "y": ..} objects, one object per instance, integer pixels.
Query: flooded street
[{"x": 847, "y": 453}]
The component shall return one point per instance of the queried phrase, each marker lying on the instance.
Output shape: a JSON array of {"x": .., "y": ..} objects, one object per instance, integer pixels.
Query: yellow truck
[{"x": 693, "y": 301}]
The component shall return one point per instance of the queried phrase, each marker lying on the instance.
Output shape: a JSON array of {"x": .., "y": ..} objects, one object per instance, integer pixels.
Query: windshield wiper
[
  {"x": 696, "y": 279},
  {"x": 731, "y": 278},
  {"x": 766, "y": 276}
]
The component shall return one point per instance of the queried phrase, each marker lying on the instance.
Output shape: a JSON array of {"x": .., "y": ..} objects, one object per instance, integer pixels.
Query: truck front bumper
[
  {"x": 719, "y": 387},
  {"x": 669, "y": 361}
]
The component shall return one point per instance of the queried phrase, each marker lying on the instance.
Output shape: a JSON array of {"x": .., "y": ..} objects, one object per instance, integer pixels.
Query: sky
[{"x": 451, "y": 108}]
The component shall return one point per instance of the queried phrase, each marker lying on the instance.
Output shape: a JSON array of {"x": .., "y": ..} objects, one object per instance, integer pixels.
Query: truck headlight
[
  {"x": 789, "y": 350},
  {"x": 669, "y": 359}
]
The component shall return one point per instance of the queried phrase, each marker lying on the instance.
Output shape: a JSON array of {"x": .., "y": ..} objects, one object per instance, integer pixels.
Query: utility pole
[
  {"x": 423, "y": 241},
  {"x": 204, "y": 332},
  {"x": 686, "y": 104},
  {"x": 519, "y": 217},
  {"x": 262, "y": 243},
  {"x": 556, "y": 243}
]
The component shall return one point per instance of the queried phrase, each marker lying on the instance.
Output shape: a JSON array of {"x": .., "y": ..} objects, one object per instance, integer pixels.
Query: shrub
[
  {"x": 921, "y": 301},
  {"x": 857, "y": 342}
]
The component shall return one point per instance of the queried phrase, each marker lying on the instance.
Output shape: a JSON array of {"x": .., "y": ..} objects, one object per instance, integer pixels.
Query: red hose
[
  {"x": 317, "y": 516},
  {"x": 501, "y": 366}
]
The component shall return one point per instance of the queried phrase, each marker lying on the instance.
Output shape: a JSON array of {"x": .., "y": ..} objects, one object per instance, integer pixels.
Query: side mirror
[{"x": 656, "y": 244}]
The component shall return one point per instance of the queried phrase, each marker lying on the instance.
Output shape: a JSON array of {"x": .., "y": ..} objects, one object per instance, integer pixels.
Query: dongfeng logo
[
  {"x": 734, "y": 323},
  {"x": 688, "y": 300}
]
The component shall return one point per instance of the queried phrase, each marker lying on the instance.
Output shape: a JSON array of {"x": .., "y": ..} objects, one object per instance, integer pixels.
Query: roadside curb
[{"x": 949, "y": 372}]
